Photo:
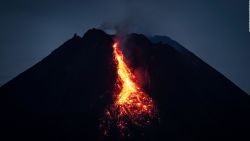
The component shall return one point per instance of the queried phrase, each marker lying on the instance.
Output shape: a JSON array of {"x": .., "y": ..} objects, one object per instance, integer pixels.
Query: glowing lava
[
  {"x": 132, "y": 106},
  {"x": 131, "y": 99}
]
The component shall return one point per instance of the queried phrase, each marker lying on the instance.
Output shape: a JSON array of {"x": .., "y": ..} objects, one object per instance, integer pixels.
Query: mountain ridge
[{"x": 64, "y": 96}]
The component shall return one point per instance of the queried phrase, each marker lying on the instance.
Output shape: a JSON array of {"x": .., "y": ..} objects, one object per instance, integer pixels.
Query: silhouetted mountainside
[{"x": 64, "y": 96}]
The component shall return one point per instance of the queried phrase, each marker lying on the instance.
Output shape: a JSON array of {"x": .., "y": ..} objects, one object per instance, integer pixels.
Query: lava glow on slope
[{"x": 132, "y": 106}]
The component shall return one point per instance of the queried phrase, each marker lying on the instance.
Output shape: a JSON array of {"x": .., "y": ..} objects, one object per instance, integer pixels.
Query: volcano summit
[{"x": 67, "y": 94}]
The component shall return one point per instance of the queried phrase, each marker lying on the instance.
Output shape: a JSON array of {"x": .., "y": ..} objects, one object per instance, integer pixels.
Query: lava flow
[{"x": 132, "y": 106}]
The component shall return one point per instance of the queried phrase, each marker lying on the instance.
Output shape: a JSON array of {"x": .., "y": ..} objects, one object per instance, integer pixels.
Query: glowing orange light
[{"x": 132, "y": 105}]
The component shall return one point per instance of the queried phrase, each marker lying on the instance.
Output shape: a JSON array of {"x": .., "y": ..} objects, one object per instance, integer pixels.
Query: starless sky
[{"x": 215, "y": 30}]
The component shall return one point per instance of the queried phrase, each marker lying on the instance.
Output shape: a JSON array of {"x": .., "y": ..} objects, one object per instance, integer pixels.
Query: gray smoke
[{"x": 133, "y": 19}]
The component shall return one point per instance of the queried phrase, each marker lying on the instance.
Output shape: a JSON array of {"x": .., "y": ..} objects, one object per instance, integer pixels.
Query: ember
[{"x": 132, "y": 105}]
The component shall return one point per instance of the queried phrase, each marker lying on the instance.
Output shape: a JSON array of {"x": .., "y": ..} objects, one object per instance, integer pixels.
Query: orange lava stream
[{"x": 133, "y": 105}]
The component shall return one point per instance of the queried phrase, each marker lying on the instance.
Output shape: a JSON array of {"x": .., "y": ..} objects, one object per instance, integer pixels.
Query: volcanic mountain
[{"x": 65, "y": 95}]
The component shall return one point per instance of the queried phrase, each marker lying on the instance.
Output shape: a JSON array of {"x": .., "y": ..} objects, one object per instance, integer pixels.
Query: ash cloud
[{"x": 133, "y": 19}]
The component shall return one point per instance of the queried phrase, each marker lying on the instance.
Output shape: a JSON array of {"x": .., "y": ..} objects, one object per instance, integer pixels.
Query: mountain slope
[
  {"x": 64, "y": 96},
  {"x": 200, "y": 102}
]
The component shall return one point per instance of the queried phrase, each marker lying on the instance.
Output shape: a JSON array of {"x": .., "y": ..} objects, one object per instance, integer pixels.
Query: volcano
[{"x": 66, "y": 95}]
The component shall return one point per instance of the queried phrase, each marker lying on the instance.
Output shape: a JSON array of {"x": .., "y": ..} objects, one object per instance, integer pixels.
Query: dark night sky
[{"x": 215, "y": 30}]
